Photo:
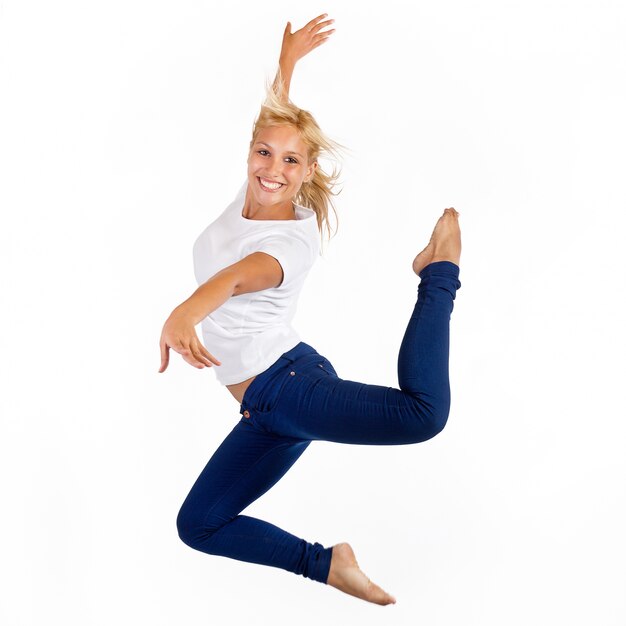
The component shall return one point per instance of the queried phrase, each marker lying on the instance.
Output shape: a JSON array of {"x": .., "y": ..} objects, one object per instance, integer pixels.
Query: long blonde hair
[{"x": 317, "y": 193}]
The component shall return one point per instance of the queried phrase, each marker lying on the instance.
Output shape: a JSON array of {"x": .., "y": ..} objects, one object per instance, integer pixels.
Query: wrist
[
  {"x": 287, "y": 61},
  {"x": 185, "y": 314}
]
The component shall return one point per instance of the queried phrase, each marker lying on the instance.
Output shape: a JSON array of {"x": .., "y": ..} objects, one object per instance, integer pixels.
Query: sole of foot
[
  {"x": 444, "y": 244},
  {"x": 346, "y": 575}
]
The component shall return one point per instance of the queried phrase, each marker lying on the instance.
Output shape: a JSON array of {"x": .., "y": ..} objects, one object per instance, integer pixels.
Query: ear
[{"x": 310, "y": 172}]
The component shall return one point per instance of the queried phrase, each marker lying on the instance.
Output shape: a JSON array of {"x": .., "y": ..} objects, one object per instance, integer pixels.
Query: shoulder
[{"x": 295, "y": 249}]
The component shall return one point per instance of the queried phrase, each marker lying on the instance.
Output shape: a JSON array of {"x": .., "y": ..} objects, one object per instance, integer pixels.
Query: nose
[{"x": 275, "y": 168}]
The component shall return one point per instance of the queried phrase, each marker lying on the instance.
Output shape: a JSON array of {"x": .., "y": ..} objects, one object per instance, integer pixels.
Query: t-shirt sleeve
[{"x": 295, "y": 254}]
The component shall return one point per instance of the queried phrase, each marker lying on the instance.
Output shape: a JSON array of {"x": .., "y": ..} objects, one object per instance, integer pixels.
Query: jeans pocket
[
  {"x": 259, "y": 407},
  {"x": 326, "y": 366},
  {"x": 250, "y": 391},
  {"x": 264, "y": 392}
]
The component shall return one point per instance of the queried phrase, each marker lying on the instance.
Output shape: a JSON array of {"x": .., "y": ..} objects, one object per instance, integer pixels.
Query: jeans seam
[{"x": 377, "y": 404}]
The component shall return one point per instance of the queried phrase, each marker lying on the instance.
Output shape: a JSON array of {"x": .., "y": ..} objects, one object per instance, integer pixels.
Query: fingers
[
  {"x": 319, "y": 43},
  {"x": 208, "y": 355},
  {"x": 323, "y": 25},
  {"x": 192, "y": 355},
  {"x": 314, "y": 29},
  {"x": 312, "y": 23},
  {"x": 179, "y": 335},
  {"x": 322, "y": 37},
  {"x": 196, "y": 354},
  {"x": 165, "y": 356},
  {"x": 310, "y": 36}
]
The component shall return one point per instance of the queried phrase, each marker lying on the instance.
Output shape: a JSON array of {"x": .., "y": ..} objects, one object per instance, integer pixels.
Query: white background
[{"x": 124, "y": 130}]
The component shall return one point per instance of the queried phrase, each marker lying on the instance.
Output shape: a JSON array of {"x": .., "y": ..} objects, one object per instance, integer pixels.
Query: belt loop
[{"x": 298, "y": 351}]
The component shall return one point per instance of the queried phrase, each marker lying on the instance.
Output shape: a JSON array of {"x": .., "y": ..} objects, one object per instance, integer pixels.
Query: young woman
[{"x": 251, "y": 263}]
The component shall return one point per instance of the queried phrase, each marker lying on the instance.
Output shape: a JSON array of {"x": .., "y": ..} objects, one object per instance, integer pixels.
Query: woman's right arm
[
  {"x": 255, "y": 272},
  {"x": 298, "y": 44}
]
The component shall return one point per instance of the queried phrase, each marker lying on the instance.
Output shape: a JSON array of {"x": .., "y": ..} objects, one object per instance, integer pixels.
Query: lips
[{"x": 268, "y": 185}]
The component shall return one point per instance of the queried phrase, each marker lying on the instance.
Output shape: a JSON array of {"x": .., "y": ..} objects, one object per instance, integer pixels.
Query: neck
[{"x": 253, "y": 210}]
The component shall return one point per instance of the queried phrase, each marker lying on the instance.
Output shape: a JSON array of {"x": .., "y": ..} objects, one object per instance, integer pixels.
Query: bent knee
[
  {"x": 430, "y": 420},
  {"x": 187, "y": 531},
  {"x": 438, "y": 423},
  {"x": 192, "y": 530}
]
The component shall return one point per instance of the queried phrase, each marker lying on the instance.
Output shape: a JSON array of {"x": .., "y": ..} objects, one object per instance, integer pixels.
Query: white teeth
[{"x": 269, "y": 184}]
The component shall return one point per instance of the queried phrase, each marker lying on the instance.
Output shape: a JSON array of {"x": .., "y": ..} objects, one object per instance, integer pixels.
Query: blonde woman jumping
[{"x": 251, "y": 263}]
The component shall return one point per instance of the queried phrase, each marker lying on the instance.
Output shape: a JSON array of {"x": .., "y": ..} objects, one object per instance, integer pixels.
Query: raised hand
[
  {"x": 180, "y": 335},
  {"x": 298, "y": 44}
]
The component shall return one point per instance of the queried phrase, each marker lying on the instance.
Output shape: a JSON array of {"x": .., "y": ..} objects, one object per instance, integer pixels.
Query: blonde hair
[{"x": 317, "y": 193}]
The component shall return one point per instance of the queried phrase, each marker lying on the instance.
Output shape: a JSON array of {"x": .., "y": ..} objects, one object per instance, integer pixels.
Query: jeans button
[
  {"x": 292, "y": 373},
  {"x": 246, "y": 413}
]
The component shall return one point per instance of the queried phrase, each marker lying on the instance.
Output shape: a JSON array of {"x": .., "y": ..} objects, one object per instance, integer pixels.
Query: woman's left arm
[{"x": 298, "y": 44}]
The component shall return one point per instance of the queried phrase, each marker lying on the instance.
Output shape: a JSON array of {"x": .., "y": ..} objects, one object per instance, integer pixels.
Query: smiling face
[{"x": 277, "y": 166}]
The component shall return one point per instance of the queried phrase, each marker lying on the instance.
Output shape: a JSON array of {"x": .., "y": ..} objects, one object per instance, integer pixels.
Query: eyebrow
[{"x": 287, "y": 152}]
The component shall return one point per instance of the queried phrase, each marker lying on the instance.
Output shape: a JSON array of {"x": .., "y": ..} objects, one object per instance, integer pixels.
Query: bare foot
[
  {"x": 346, "y": 576},
  {"x": 444, "y": 244}
]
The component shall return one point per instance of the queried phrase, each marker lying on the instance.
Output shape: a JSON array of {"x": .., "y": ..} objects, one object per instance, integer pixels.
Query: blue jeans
[{"x": 299, "y": 399}]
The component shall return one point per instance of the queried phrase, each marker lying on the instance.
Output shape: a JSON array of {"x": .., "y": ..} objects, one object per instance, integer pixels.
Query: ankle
[{"x": 448, "y": 258}]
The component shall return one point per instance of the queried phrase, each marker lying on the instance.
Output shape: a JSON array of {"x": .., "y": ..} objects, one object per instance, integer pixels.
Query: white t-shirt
[{"x": 250, "y": 331}]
